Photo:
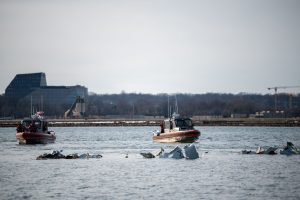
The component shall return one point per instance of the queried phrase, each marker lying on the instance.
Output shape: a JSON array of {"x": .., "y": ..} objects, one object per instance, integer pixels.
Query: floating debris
[
  {"x": 247, "y": 152},
  {"x": 191, "y": 152},
  {"x": 54, "y": 155},
  {"x": 290, "y": 149},
  {"x": 84, "y": 156},
  {"x": 159, "y": 152},
  {"x": 269, "y": 151},
  {"x": 260, "y": 150},
  {"x": 72, "y": 156},
  {"x": 58, "y": 155},
  {"x": 177, "y": 153},
  {"x": 148, "y": 155}
]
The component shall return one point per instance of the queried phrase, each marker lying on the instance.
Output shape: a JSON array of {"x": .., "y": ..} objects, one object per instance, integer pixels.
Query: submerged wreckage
[
  {"x": 58, "y": 155},
  {"x": 290, "y": 149},
  {"x": 188, "y": 152}
]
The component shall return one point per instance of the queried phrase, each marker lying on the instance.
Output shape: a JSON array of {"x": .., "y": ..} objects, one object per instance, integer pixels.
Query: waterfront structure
[
  {"x": 34, "y": 87},
  {"x": 77, "y": 109}
]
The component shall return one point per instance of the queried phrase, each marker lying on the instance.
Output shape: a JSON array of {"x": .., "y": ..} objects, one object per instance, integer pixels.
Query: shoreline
[{"x": 285, "y": 122}]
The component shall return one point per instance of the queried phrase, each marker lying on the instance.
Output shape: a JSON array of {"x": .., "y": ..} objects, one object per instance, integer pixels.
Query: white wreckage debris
[
  {"x": 261, "y": 150},
  {"x": 58, "y": 155},
  {"x": 270, "y": 150},
  {"x": 189, "y": 152},
  {"x": 290, "y": 149},
  {"x": 175, "y": 153},
  {"x": 152, "y": 155}
]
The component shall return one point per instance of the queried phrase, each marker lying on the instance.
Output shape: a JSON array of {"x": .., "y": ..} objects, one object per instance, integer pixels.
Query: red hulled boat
[
  {"x": 34, "y": 130},
  {"x": 177, "y": 129}
]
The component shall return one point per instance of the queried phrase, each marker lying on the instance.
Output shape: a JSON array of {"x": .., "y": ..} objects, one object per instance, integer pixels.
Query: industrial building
[{"x": 33, "y": 86}]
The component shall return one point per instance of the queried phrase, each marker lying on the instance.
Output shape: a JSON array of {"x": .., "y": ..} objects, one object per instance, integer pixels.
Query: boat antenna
[
  {"x": 168, "y": 106},
  {"x": 30, "y": 105},
  {"x": 176, "y": 105}
]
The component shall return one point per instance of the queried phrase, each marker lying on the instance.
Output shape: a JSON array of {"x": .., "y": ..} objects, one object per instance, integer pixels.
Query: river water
[{"x": 221, "y": 172}]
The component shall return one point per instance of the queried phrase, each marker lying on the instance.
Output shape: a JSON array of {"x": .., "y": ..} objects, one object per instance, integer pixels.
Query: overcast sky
[{"x": 153, "y": 46}]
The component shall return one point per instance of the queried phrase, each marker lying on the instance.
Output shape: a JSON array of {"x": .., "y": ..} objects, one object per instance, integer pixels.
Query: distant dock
[{"x": 285, "y": 122}]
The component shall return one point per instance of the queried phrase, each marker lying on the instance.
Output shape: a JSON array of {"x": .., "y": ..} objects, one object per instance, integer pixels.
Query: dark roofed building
[
  {"x": 34, "y": 87},
  {"x": 58, "y": 94},
  {"x": 23, "y": 84}
]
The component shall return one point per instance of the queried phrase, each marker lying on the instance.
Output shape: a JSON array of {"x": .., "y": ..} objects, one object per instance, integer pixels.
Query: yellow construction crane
[{"x": 281, "y": 87}]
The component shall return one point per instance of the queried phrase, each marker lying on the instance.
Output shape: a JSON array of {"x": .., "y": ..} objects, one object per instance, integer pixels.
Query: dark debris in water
[
  {"x": 59, "y": 155},
  {"x": 290, "y": 149}
]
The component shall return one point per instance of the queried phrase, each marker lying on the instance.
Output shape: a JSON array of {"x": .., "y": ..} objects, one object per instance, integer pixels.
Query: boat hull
[
  {"x": 35, "y": 137},
  {"x": 188, "y": 136}
]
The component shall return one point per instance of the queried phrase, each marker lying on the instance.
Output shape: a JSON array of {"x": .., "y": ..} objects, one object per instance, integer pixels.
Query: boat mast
[
  {"x": 176, "y": 105},
  {"x": 30, "y": 105},
  {"x": 168, "y": 107}
]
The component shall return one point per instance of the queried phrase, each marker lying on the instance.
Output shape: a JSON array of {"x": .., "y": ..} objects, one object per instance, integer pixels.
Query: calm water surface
[{"x": 221, "y": 173}]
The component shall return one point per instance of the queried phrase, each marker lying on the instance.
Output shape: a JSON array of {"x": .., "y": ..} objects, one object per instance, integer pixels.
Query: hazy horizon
[{"x": 154, "y": 47}]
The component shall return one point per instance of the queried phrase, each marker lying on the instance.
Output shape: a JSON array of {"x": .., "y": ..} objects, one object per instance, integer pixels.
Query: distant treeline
[{"x": 133, "y": 104}]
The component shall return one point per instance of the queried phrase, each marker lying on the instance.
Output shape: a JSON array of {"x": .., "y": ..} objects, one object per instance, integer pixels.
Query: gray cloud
[{"x": 153, "y": 46}]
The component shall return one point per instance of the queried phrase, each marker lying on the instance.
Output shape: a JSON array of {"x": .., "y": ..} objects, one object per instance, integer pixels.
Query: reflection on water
[{"x": 222, "y": 173}]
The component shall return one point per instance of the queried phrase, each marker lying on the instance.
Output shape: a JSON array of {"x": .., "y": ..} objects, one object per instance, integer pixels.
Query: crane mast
[{"x": 275, "y": 94}]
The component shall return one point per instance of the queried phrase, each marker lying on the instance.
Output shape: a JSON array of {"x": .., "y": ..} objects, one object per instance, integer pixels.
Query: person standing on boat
[
  {"x": 19, "y": 127},
  {"x": 32, "y": 127},
  {"x": 45, "y": 126},
  {"x": 162, "y": 130}
]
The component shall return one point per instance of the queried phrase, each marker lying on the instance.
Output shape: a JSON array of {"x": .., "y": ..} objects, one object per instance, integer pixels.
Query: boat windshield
[
  {"x": 26, "y": 122},
  {"x": 37, "y": 123},
  {"x": 184, "y": 123},
  {"x": 188, "y": 122}
]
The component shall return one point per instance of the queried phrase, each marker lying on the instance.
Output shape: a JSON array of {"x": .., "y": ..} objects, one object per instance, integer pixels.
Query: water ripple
[{"x": 222, "y": 172}]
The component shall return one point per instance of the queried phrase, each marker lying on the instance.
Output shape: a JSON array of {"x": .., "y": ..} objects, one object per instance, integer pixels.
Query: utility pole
[
  {"x": 132, "y": 110},
  {"x": 30, "y": 105},
  {"x": 290, "y": 101},
  {"x": 168, "y": 107}
]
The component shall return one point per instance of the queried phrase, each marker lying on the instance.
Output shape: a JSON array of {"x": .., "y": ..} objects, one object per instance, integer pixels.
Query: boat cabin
[
  {"x": 34, "y": 124},
  {"x": 178, "y": 123}
]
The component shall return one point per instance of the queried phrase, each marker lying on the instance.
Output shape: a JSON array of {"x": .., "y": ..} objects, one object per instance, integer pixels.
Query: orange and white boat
[
  {"x": 34, "y": 130},
  {"x": 177, "y": 129}
]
